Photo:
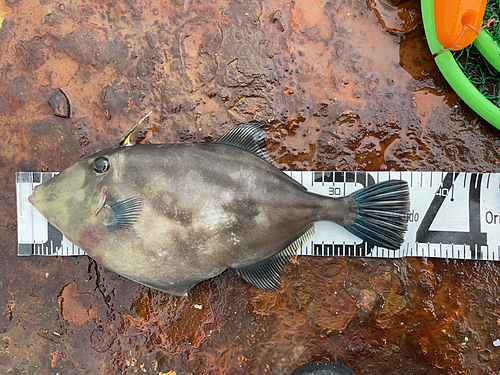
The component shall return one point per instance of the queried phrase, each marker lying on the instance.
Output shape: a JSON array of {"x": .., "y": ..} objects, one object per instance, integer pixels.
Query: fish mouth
[{"x": 30, "y": 198}]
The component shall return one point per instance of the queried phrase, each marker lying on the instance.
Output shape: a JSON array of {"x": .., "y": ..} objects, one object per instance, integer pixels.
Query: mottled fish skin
[{"x": 205, "y": 208}]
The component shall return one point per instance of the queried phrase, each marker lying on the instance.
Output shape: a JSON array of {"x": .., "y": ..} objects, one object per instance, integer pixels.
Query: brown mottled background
[{"x": 344, "y": 85}]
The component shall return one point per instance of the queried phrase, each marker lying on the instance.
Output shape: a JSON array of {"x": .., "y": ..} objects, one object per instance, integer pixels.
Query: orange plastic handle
[{"x": 458, "y": 21}]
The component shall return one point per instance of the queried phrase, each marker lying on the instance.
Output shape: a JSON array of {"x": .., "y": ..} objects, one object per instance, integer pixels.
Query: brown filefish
[{"x": 171, "y": 215}]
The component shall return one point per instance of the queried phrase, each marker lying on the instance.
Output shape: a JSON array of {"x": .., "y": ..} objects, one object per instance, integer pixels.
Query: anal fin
[{"x": 267, "y": 274}]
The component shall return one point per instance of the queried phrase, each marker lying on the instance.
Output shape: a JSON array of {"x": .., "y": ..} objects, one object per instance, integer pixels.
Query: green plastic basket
[{"x": 452, "y": 72}]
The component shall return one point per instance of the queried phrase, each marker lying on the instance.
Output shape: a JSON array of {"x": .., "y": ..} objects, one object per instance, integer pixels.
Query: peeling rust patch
[{"x": 60, "y": 104}]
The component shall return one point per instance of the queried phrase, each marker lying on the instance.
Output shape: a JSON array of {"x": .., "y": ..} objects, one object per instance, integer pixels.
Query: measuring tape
[{"x": 452, "y": 215}]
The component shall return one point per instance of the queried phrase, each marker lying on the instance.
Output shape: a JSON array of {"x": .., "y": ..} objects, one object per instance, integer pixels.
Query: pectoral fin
[
  {"x": 267, "y": 274},
  {"x": 126, "y": 213}
]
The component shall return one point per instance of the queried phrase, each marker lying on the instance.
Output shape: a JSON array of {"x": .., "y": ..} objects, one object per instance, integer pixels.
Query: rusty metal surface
[{"x": 345, "y": 85}]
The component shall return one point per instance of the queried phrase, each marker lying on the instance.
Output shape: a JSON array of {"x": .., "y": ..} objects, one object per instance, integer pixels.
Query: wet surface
[{"x": 344, "y": 85}]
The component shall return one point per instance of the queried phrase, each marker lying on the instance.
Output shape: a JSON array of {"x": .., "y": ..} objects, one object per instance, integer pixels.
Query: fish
[{"x": 172, "y": 215}]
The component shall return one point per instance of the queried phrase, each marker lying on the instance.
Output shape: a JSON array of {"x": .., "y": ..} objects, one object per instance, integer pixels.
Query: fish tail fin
[{"x": 382, "y": 213}]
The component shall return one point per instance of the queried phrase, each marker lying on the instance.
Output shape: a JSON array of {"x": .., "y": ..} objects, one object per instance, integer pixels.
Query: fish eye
[{"x": 100, "y": 165}]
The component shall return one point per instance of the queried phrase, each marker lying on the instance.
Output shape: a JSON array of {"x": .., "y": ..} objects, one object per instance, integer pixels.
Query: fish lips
[{"x": 30, "y": 198}]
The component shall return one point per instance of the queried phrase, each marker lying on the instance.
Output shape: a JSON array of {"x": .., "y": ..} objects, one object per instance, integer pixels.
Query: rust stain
[
  {"x": 4, "y": 10},
  {"x": 397, "y": 16},
  {"x": 76, "y": 307},
  {"x": 307, "y": 14},
  {"x": 188, "y": 320},
  {"x": 54, "y": 355}
]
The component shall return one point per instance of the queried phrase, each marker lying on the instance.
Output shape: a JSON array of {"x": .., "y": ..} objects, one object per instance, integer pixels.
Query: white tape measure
[
  {"x": 452, "y": 215},
  {"x": 35, "y": 235}
]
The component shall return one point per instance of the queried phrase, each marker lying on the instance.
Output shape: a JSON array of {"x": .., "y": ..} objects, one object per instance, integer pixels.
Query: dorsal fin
[
  {"x": 250, "y": 137},
  {"x": 125, "y": 139},
  {"x": 267, "y": 274}
]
